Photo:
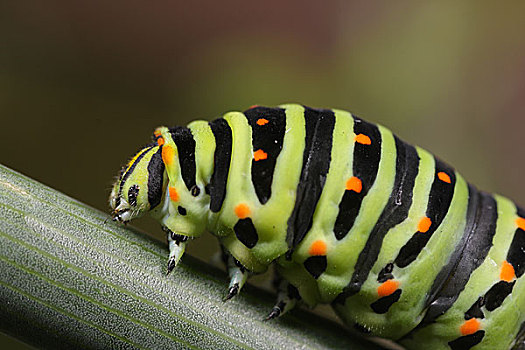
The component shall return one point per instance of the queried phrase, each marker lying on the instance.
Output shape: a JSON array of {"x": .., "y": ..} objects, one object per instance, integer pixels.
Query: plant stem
[{"x": 71, "y": 279}]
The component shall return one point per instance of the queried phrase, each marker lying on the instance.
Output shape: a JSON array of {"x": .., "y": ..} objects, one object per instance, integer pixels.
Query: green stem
[{"x": 70, "y": 278}]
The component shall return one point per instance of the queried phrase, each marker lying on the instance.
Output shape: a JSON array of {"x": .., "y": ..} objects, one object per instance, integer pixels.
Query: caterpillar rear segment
[{"x": 392, "y": 237}]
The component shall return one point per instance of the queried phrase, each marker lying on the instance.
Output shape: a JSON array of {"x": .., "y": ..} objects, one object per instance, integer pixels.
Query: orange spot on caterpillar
[
  {"x": 354, "y": 184},
  {"x": 424, "y": 224},
  {"x": 259, "y": 155},
  {"x": 160, "y": 141},
  {"x": 507, "y": 272},
  {"x": 167, "y": 154},
  {"x": 174, "y": 195},
  {"x": 469, "y": 326},
  {"x": 386, "y": 288},
  {"x": 262, "y": 121},
  {"x": 318, "y": 248},
  {"x": 157, "y": 133},
  {"x": 521, "y": 223},
  {"x": 253, "y": 106},
  {"x": 242, "y": 211},
  {"x": 444, "y": 177},
  {"x": 362, "y": 139}
]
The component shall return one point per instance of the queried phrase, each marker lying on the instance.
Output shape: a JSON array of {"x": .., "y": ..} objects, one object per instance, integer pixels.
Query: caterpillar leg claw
[
  {"x": 177, "y": 246},
  {"x": 238, "y": 276},
  {"x": 287, "y": 299}
]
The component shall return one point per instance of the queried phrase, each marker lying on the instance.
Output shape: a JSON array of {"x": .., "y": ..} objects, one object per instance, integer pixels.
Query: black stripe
[
  {"x": 365, "y": 166},
  {"x": 471, "y": 217},
  {"x": 395, "y": 211},
  {"x": 246, "y": 232},
  {"x": 467, "y": 341},
  {"x": 319, "y": 125},
  {"x": 475, "y": 310},
  {"x": 183, "y": 138},
  {"x": 382, "y": 305},
  {"x": 473, "y": 249},
  {"x": 222, "y": 158},
  {"x": 155, "y": 179},
  {"x": 316, "y": 265},
  {"x": 497, "y": 294},
  {"x": 128, "y": 173},
  {"x": 516, "y": 254},
  {"x": 439, "y": 200},
  {"x": 386, "y": 273},
  {"x": 269, "y": 138}
]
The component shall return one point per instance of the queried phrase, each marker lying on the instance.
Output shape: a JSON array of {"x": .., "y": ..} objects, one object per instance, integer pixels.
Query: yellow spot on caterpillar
[
  {"x": 174, "y": 195},
  {"x": 386, "y": 288},
  {"x": 507, "y": 272},
  {"x": 444, "y": 177},
  {"x": 354, "y": 184},
  {"x": 259, "y": 155},
  {"x": 242, "y": 211},
  {"x": 318, "y": 248},
  {"x": 469, "y": 327},
  {"x": 424, "y": 224},
  {"x": 363, "y": 139}
]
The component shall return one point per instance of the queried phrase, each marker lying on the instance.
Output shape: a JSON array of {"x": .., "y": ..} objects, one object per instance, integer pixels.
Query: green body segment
[
  {"x": 397, "y": 241},
  {"x": 240, "y": 192},
  {"x": 500, "y": 325}
]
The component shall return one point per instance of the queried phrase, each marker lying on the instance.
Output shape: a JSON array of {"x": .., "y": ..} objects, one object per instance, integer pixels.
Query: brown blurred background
[{"x": 83, "y": 84}]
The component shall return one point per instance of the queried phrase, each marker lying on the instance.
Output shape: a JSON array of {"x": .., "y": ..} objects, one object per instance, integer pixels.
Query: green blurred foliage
[{"x": 83, "y": 84}]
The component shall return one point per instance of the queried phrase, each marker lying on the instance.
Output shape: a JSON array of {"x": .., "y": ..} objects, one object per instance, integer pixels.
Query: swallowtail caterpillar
[{"x": 393, "y": 238}]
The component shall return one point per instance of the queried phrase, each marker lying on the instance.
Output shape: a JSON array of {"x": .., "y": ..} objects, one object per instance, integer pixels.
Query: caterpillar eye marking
[
  {"x": 132, "y": 195},
  {"x": 393, "y": 238}
]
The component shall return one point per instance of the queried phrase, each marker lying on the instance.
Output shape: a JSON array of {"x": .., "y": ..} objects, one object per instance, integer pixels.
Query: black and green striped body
[{"x": 392, "y": 237}]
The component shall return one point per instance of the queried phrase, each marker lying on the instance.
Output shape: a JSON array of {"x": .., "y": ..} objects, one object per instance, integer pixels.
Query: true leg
[
  {"x": 177, "y": 245},
  {"x": 287, "y": 298},
  {"x": 238, "y": 275}
]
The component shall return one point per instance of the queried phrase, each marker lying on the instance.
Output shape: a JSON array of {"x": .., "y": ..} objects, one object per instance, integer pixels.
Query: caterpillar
[{"x": 392, "y": 237}]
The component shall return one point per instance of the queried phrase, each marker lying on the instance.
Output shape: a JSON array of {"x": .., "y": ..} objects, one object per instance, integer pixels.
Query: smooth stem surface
[{"x": 69, "y": 279}]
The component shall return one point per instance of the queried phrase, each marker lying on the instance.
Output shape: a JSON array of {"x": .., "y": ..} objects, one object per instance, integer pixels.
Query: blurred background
[{"x": 84, "y": 84}]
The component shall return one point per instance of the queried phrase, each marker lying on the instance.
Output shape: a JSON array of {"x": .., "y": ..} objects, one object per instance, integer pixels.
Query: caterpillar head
[{"x": 140, "y": 185}]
